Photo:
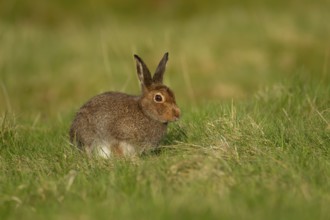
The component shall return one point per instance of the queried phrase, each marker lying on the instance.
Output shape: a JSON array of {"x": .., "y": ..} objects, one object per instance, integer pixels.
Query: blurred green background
[{"x": 54, "y": 55}]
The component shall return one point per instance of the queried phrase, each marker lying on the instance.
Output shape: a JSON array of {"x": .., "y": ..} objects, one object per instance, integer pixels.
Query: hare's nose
[{"x": 176, "y": 113}]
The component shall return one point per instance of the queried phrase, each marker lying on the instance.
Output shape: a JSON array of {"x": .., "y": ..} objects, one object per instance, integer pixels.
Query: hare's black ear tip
[
  {"x": 136, "y": 57},
  {"x": 165, "y": 57}
]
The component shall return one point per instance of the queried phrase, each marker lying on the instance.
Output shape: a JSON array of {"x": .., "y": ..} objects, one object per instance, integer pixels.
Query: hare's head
[{"x": 157, "y": 100}]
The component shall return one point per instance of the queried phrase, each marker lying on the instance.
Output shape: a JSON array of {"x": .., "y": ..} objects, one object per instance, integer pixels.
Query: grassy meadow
[{"x": 252, "y": 80}]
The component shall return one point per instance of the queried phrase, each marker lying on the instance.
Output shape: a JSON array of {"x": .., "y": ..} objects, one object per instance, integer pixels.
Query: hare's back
[{"x": 109, "y": 106}]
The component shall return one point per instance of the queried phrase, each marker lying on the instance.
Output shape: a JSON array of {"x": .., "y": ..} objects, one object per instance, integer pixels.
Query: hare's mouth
[
  {"x": 175, "y": 119},
  {"x": 172, "y": 119}
]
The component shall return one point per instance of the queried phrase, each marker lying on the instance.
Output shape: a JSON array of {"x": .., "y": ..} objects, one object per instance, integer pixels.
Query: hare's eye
[{"x": 159, "y": 98}]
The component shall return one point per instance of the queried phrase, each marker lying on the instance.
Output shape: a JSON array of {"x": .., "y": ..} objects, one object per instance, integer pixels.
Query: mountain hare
[{"x": 115, "y": 123}]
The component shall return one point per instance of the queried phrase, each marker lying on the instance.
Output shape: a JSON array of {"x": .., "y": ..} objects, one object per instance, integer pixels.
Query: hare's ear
[
  {"x": 158, "y": 76},
  {"x": 143, "y": 73}
]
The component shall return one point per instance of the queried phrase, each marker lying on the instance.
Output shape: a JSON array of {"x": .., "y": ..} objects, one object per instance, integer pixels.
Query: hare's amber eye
[{"x": 159, "y": 98}]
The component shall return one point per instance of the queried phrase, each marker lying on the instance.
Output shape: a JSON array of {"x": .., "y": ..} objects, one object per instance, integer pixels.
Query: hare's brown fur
[{"x": 126, "y": 124}]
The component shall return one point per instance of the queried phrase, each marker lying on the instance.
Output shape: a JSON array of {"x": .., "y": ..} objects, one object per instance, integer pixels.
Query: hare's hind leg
[
  {"x": 127, "y": 149},
  {"x": 122, "y": 149}
]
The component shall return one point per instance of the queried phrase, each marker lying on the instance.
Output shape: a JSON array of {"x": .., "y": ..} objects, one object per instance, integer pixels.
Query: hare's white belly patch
[
  {"x": 102, "y": 149},
  {"x": 106, "y": 150}
]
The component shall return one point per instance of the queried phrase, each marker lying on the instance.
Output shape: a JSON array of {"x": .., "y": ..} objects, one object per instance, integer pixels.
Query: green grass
[
  {"x": 265, "y": 158},
  {"x": 253, "y": 84}
]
